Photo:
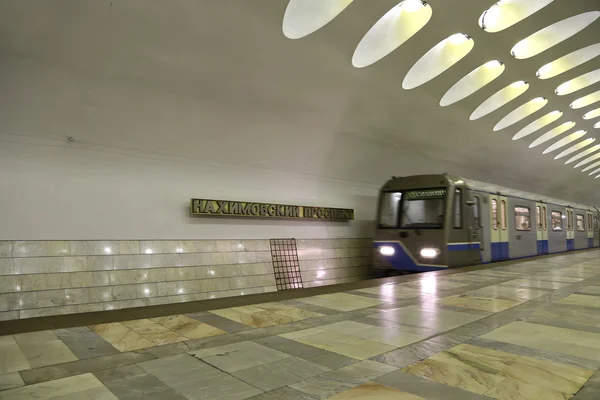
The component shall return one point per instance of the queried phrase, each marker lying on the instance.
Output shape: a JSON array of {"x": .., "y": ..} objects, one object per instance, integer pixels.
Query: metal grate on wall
[{"x": 285, "y": 264}]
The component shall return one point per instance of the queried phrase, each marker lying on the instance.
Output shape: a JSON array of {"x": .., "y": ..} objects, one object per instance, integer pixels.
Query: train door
[
  {"x": 589, "y": 227},
  {"x": 570, "y": 230},
  {"x": 542, "y": 228},
  {"x": 596, "y": 230},
  {"x": 498, "y": 227},
  {"x": 474, "y": 224}
]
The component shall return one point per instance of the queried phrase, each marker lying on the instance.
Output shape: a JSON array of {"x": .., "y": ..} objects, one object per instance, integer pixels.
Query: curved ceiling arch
[{"x": 398, "y": 25}]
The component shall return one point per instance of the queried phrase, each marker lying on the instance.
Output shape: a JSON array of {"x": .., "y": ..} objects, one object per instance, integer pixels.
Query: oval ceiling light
[
  {"x": 592, "y": 166},
  {"x": 592, "y": 114},
  {"x": 437, "y": 60},
  {"x": 521, "y": 112},
  {"x": 594, "y": 172},
  {"x": 303, "y": 17},
  {"x": 500, "y": 98},
  {"x": 578, "y": 83},
  {"x": 587, "y": 160},
  {"x": 583, "y": 153},
  {"x": 506, "y": 13},
  {"x": 586, "y": 100},
  {"x": 538, "y": 124},
  {"x": 597, "y": 125},
  {"x": 472, "y": 82},
  {"x": 568, "y": 62},
  {"x": 565, "y": 141},
  {"x": 551, "y": 134},
  {"x": 393, "y": 29},
  {"x": 543, "y": 39},
  {"x": 575, "y": 148}
]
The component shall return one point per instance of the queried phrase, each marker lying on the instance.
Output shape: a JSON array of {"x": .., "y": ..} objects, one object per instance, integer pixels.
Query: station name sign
[{"x": 208, "y": 207}]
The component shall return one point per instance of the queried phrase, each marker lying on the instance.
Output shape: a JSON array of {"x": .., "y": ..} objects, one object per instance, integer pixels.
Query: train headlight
[
  {"x": 387, "y": 250},
  {"x": 429, "y": 253}
]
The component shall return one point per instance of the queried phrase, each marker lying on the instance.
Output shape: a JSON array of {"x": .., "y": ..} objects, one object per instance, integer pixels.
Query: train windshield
[{"x": 417, "y": 209}]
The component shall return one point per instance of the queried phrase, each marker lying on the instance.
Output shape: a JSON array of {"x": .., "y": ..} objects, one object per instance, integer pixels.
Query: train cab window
[
  {"x": 495, "y": 214},
  {"x": 580, "y": 223},
  {"x": 503, "y": 214},
  {"x": 539, "y": 218},
  {"x": 389, "y": 209},
  {"x": 557, "y": 221},
  {"x": 423, "y": 209},
  {"x": 522, "y": 218},
  {"x": 457, "y": 209}
]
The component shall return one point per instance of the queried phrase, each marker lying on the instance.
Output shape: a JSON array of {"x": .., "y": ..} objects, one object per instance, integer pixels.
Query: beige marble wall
[{"x": 40, "y": 278}]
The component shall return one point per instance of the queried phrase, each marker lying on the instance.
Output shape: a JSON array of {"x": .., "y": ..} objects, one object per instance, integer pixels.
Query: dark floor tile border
[{"x": 100, "y": 317}]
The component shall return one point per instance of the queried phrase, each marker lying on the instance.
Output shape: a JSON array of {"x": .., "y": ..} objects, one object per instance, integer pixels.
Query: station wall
[{"x": 90, "y": 229}]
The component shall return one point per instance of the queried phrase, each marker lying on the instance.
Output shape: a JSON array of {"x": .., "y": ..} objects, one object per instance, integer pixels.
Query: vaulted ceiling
[{"x": 219, "y": 80}]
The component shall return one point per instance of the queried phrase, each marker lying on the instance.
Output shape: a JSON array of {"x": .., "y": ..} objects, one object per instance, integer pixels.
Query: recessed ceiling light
[
  {"x": 506, "y": 13},
  {"x": 568, "y": 62},
  {"x": 597, "y": 125},
  {"x": 559, "y": 130},
  {"x": 578, "y": 83},
  {"x": 587, "y": 160},
  {"x": 472, "y": 82},
  {"x": 393, "y": 29},
  {"x": 594, "y": 172},
  {"x": 592, "y": 114},
  {"x": 544, "y": 39},
  {"x": 583, "y": 153},
  {"x": 586, "y": 100},
  {"x": 437, "y": 60},
  {"x": 565, "y": 141},
  {"x": 500, "y": 98},
  {"x": 575, "y": 148},
  {"x": 538, "y": 124},
  {"x": 303, "y": 17},
  {"x": 521, "y": 112},
  {"x": 592, "y": 166}
]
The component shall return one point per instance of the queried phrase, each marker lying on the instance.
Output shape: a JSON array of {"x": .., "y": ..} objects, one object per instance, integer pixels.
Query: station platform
[{"x": 526, "y": 329}]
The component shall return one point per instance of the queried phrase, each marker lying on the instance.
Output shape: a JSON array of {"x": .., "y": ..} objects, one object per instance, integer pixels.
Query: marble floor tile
[
  {"x": 53, "y": 389},
  {"x": 121, "y": 337},
  {"x": 238, "y": 356},
  {"x": 508, "y": 292},
  {"x": 374, "y": 391},
  {"x": 392, "y": 336},
  {"x": 549, "y": 338},
  {"x": 85, "y": 343},
  {"x": 134, "y": 383},
  {"x": 361, "y": 349},
  {"x": 333, "y": 382},
  {"x": 188, "y": 327},
  {"x": 581, "y": 300},
  {"x": 12, "y": 359},
  {"x": 52, "y": 372},
  {"x": 284, "y": 393},
  {"x": 296, "y": 313},
  {"x": 35, "y": 337},
  {"x": 533, "y": 283},
  {"x": 479, "y": 303},
  {"x": 342, "y": 301},
  {"x": 40, "y": 354},
  {"x": 290, "y": 347},
  {"x": 557, "y": 278},
  {"x": 253, "y": 316},
  {"x": 439, "y": 319},
  {"x": 171, "y": 349},
  {"x": 219, "y": 322},
  {"x": 195, "y": 379},
  {"x": 280, "y": 373},
  {"x": 595, "y": 290},
  {"x": 153, "y": 332},
  {"x": 10, "y": 380}
]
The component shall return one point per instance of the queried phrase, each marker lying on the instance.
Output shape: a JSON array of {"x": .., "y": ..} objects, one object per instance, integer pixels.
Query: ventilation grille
[{"x": 285, "y": 264}]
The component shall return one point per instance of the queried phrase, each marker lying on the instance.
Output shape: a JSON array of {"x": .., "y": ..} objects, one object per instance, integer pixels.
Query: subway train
[{"x": 434, "y": 222}]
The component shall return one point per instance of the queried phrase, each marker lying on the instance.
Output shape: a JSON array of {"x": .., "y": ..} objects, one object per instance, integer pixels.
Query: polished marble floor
[{"x": 526, "y": 330}]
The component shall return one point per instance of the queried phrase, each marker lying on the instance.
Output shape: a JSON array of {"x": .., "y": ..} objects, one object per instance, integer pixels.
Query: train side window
[
  {"x": 557, "y": 221},
  {"x": 503, "y": 214},
  {"x": 539, "y": 218},
  {"x": 545, "y": 219},
  {"x": 522, "y": 218},
  {"x": 477, "y": 212},
  {"x": 580, "y": 223},
  {"x": 495, "y": 214},
  {"x": 457, "y": 209},
  {"x": 596, "y": 222},
  {"x": 569, "y": 220}
]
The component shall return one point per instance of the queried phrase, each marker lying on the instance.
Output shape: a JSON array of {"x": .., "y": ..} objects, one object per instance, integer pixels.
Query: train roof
[{"x": 492, "y": 188}]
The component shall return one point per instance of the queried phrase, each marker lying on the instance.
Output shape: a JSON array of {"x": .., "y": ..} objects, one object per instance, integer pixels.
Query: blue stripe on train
[
  {"x": 542, "y": 247},
  {"x": 590, "y": 242},
  {"x": 463, "y": 246},
  {"x": 402, "y": 261},
  {"x": 570, "y": 244},
  {"x": 499, "y": 251}
]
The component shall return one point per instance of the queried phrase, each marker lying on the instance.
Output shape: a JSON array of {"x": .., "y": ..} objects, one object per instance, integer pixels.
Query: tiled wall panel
[{"x": 40, "y": 278}]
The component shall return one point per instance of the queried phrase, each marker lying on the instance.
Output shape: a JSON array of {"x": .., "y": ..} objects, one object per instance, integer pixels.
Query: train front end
[{"x": 412, "y": 222}]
